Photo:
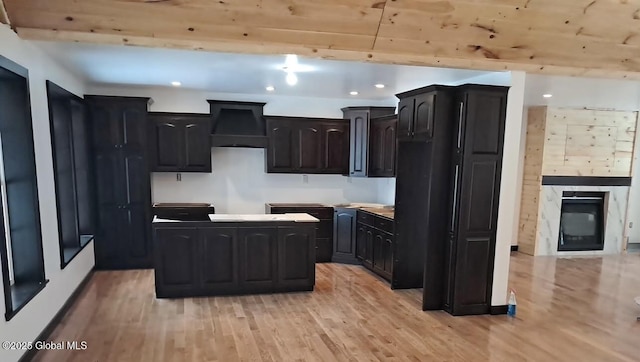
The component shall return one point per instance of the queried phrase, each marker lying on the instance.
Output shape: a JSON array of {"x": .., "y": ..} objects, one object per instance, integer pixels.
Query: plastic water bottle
[{"x": 511, "y": 308}]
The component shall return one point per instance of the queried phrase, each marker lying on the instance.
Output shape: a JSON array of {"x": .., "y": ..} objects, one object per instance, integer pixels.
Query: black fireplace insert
[{"x": 581, "y": 221}]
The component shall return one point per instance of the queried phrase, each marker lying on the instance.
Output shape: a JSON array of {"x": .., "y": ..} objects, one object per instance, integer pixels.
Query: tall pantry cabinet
[
  {"x": 122, "y": 239},
  {"x": 447, "y": 191}
]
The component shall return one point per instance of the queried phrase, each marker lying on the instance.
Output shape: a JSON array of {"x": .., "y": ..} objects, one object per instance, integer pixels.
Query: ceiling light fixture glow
[
  {"x": 353, "y": 93},
  {"x": 175, "y": 83},
  {"x": 270, "y": 88},
  {"x": 379, "y": 85},
  {"x": 292, "y": 78},
  {"x": 548, "y": 95}
]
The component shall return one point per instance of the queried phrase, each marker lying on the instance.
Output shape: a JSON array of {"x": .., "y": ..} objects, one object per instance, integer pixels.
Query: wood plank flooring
[{"x": 568, "y": 310}]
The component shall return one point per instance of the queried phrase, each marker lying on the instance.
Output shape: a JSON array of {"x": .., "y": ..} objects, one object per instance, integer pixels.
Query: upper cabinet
[
  {"x": 360, "y": 143},
  {"x": 180, "y": 142},
  {"x": 307, "y": 145},
  {"x": 382, "y": 146},
  {"x": 415, "y": 116}
]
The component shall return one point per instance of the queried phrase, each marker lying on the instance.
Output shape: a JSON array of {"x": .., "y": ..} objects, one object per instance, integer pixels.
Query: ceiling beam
[
  {"x": 376, "y": 56},
  {"x": 4, "y": 16}
]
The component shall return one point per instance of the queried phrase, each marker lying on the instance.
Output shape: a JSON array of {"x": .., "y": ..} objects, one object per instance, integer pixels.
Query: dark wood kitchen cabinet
[
  {"x": 475, "y": 172},
  {"x": 382, "y": 155},
  {"x": 359, "y": 138},
  {"x": 324, "y": 228},
  {"x": 307, "y": 145},
  {"x": 344, "y": 236},
  {"x": 415, "y": 117},
  {"x": 458, "y": 159},
  {"x": 179, "y": 142},
  {"x": 123, "y": 187},
  {"x": 200, "y": 258},
  {"x": 374, "y": 243}
]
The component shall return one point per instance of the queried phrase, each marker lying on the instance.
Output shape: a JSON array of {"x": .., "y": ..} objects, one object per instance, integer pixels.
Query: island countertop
[{"x": 291, "y": 217}]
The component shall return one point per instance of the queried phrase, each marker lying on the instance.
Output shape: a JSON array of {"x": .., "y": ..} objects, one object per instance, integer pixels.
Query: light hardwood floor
[{"x": 568, "y": 310}]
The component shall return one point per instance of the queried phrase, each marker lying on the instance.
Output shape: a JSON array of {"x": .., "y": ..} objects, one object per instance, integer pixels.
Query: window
[
  {"x": 21, "y": 256},
  {"x": 72, "y": 173}
]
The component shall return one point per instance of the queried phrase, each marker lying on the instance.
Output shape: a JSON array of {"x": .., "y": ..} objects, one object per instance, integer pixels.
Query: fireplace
[{"x": 581, "y": 221}]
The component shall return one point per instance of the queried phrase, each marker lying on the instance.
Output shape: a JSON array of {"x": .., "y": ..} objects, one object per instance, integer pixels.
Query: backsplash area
[{"x": 239, "y": 184}]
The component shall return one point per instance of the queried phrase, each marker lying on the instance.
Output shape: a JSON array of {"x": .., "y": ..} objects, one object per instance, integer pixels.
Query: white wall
[
  {"x": 569, "y": 92},
  {"x": 31, "y": 320},
  {"x": 510, "y": 188},
  {"x": 239, "y": 183}
]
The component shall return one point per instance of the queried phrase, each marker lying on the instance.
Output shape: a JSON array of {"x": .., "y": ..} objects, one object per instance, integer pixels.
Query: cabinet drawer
[
  {"x": 383, "y": 224},
  {"x": 318, "y": 213},
  {"x": 365, "y": 218}
]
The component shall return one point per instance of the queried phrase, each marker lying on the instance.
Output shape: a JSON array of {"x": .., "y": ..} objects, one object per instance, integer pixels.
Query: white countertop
[{"x": 298, "y": 217}]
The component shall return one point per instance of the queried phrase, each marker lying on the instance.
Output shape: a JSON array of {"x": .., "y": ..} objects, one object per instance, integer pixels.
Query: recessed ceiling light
[
  {"x": 292, "y": 78},
  {"x": 270, "y": 88},
  {"x": 548, "y": 95},
  {"x": 353, "y": 93},
  {"x": 175, "y": 83},
  {"x": 379, "y": 85}
]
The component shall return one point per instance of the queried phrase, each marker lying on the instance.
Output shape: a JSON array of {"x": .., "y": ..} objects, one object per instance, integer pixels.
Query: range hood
[{"x": 237, "y": 124}]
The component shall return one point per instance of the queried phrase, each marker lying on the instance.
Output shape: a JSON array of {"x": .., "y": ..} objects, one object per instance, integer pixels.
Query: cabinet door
[
  {"x": 387, "y": 254},
  {"x": 107, "y": 243},
  {"x": 258, "y": 263},
  {"x": 296, "y": 257},
  {"x": 335, "y": 148},
  {"x": 344, "y": 236},
  {"x": 368, "y": 252},
  {"x": 308, "y": 148},
  {"x": 378, "y": 252},
  {"x": 405, "y": 118},
  {"x": 176, "y": 267},
  {"x": 136, "y": 204},
  {"x": 361, "y": 241},
  {"x": 197, "y": 146},
  {"x": 483, "y": 118},
  {"x": 218, "y": 259},
  {"x": 165, "y": 144},
  {"x": 105, "y": 131},
  {"x": 382, "y": 153},
  {"x": 359, "y": 143},
  {"x": 423, "y": 117},
  {"x": 280, "y": 150}
]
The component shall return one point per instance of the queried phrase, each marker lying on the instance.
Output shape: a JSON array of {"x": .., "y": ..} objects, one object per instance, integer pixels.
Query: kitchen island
[{"x": 225, "y": 254}]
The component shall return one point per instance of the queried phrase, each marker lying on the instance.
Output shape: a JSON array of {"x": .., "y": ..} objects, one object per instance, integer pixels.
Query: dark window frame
[
  {"x": 18, "y": 294},
  {"x": 55, "y": 93}
]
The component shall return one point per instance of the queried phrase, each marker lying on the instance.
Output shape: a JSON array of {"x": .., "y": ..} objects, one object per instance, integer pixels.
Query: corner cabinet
[
  {"x": 374, "y": 243},
  {"x": 359, "y": 139},
  {"x": 180, "y": 142},
  {"x": 307, "y": 145},
  {"x": 123, "y": 186},
  {"x": 475, "y": 172}
]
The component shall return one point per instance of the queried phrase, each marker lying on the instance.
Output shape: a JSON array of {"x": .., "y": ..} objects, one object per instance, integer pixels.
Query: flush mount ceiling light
[
  {"x": 270, "y": 88},
  {"x": 379, "y": 85},
  {"x": 291, "y": 66},
  {"x": 353, "y": 93},
  {"x": 547, "y": 95},
  {"x": 175, "y": 83}
]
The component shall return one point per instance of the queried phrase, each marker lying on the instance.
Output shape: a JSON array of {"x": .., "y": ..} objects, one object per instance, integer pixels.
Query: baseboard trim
[
  {"x": 46, "y": 332},
  {"x": 514, "y": 247},
  {"x": 498, "y": 309}
]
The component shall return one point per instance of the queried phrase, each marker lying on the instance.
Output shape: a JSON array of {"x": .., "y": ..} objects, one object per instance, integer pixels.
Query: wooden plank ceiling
[{"x": 573, "y": 37}]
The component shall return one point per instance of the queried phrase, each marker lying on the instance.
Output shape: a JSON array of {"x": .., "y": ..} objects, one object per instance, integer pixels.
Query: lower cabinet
[
  {"x": 374, "y": 240},
  {"x": 344, "y": 236},
  {"x": 210, "y": 260}
]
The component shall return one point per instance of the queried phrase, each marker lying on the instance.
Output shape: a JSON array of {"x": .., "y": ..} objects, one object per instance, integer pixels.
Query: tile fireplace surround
[{"x": 615, "y": 206}]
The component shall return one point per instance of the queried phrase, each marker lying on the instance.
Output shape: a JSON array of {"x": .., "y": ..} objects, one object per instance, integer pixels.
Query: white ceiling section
[{"x": 243, "y": 73}]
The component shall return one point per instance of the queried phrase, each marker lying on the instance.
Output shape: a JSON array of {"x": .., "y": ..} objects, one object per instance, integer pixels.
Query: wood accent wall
[
  {"x": 532, "y": 180},
  {"x": 571, "y": 142},
  {"x": 580, "y": 142}
]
